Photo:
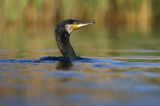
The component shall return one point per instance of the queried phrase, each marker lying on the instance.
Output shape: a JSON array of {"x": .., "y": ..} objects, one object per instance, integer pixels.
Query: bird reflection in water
[{"x": 64, "y": 64}]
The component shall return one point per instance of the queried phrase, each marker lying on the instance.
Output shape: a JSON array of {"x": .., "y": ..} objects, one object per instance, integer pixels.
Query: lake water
[{"x": 117, "y": 69}]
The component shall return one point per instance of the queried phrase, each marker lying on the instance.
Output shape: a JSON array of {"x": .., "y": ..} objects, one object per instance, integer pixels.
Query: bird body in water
[{"x": 62, "y": 34}]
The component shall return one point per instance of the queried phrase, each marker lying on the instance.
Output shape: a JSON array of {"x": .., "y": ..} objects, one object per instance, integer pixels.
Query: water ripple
[{"x": 95, "y": 62}]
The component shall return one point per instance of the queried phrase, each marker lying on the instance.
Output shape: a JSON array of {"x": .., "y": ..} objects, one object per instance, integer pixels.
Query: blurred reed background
[
  {"x": 109, "y": 13},
  {"x": 28, "y": 24}
]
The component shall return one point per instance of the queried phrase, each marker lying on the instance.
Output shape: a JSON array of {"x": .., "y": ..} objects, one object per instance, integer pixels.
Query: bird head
[{"x": 71, "y": 25}]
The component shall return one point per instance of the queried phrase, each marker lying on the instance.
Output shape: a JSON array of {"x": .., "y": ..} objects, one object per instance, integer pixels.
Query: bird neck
[{"x": 64, "y": 45}]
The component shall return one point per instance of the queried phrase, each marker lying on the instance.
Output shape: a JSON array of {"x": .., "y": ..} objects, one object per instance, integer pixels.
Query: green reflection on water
[{"x": 86, "y": 42}]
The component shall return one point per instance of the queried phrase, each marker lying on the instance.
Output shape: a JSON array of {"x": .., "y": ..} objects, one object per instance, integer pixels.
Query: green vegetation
[{"x": 110, "y": 13}]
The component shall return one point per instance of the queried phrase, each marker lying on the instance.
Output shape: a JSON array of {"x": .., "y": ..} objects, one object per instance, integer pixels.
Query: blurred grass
[{"x": 126, "y": 14}]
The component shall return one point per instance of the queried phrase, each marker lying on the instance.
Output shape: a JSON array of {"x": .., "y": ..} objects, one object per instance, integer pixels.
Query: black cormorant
[{"x": 62, "y": 34}]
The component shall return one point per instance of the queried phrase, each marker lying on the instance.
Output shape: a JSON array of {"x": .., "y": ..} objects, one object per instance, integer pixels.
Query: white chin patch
[{"x": 68, "y": 28}]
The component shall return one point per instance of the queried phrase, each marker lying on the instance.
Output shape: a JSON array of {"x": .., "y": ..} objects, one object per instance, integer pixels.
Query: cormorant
[{"x": 62, "y": 34}]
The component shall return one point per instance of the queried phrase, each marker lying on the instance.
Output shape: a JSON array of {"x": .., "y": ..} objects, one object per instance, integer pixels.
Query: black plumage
[{"x": 62, "y": 34}]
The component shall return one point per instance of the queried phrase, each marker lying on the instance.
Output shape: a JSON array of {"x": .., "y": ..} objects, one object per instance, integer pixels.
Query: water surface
[{"x": 115, "y": 71}]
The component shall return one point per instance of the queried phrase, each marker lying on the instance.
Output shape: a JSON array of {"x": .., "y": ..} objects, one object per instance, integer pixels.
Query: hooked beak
[
  {"x": 71, "y": 27},
  {"x": 84, "y": 23}
]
